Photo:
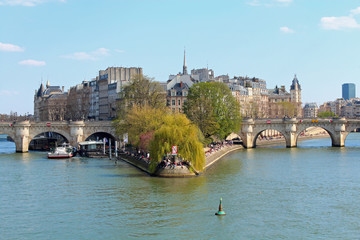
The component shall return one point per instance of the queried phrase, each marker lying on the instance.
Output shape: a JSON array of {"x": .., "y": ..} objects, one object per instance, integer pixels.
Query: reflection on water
[{"x": 268, "y": 193}]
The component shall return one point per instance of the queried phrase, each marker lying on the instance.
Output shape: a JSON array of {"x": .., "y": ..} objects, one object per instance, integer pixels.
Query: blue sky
[{"x": 68, "y": 41}]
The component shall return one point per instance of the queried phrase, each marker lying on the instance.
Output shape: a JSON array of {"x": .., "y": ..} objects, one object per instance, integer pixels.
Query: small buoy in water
[{"x": 221, "y": 211}]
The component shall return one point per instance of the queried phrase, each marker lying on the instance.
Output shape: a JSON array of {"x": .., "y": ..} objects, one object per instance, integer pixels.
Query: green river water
[{"x": 309, "y": 192}]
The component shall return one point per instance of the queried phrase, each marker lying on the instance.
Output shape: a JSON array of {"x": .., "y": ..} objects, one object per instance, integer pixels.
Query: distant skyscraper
[
  {"x": 184, "y": 66},
  {"x": 348, "y": 90}
]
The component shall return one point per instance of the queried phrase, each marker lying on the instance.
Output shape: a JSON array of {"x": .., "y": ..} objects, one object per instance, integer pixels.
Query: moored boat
[
  {"x": 64, "y": 151},
  {"x": 91, "y": 149}
]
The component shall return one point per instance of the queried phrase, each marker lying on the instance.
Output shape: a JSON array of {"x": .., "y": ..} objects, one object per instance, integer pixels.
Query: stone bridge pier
[
  {"x": 291, "y": 128},
  {"x": 76, "y": 132},
  {"x": 21, "y": 138},
  {"x": 339, "y": 132}
]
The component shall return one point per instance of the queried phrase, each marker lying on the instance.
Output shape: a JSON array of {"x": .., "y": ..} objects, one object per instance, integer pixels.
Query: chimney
[
  {"x": 283, "y": 88},
  {"x": 63, "y": 89},
  {"x": 181, "y": 84}
]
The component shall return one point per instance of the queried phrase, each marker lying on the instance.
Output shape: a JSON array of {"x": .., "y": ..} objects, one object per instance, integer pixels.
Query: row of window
[
  {"x": 173, "y": 94},
  {"x": 173, "y": 102}
]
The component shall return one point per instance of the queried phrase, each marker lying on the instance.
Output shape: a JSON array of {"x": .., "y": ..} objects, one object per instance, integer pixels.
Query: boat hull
[{"x": 60, "y": 155}]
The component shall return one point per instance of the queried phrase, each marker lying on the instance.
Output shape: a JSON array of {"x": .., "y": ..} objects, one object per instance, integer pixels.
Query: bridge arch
[
  {"x": 100, "y": 135},
  {"x": 258, "y": 133},
  {"x": 9, "y": 130},
  {"x": 46, "y": 140},
  {"x": 350, "y": 129},
  {"x": 301, "y": 129},
  {"x": 37, "y": 132}
]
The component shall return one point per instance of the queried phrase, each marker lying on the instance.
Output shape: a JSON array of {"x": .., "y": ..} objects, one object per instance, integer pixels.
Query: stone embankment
[
  {"x": 211, "y": 156},
  {"x": 168, "y": 171},
  {"x": 217, "y": 155}
]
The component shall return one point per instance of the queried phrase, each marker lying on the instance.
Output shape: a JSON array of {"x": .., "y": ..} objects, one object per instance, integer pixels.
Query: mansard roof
[
  {"x": 179, "y": 88},
  {"x": 52, "y": 90}
]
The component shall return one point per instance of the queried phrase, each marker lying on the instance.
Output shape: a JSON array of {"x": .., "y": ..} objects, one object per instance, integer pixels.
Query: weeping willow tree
[
  {"x": 140, "y": 121},
  {"x": 177, "y": 130}
]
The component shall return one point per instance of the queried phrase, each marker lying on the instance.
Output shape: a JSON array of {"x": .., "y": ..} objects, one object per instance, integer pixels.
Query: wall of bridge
[
  {"x": 337, "y": 128},
  {"x": 74, "y": 131}
]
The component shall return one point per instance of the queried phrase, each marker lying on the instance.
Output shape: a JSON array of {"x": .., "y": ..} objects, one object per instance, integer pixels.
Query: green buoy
[{"x": 221, "y": 211}]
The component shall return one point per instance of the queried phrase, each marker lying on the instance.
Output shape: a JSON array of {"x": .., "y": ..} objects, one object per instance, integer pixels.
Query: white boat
[{"x": 64, "y": 151}]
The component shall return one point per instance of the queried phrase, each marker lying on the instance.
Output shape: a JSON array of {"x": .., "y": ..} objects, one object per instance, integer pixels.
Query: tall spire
[{"x": 184, "y": 66}]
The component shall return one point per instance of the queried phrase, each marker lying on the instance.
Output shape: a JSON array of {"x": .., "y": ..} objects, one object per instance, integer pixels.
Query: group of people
[
  {"x": 217, "y": 146},
  {"x": 171, "y": 162},
  {"x": 140, "y": 155}
]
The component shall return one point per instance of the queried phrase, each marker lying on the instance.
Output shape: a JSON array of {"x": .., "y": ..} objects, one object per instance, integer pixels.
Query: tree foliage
[
  {"x": 156, "y": 130},
  {"x": 177, "y": 130},
  {"x": 213, "y": 108},
  {"x": 138, "y": 122},
  {"x": 287, "y": 109},
  {"x": 141, "y": 91},
  {"x": 326, "y": 114}
]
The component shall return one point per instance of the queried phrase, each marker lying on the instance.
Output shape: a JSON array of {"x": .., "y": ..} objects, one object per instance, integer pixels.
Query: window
[
  {"x": 179, "y": 102},
  {"x": 173, "y": 102},
  {"x": 172, "y": 93}
]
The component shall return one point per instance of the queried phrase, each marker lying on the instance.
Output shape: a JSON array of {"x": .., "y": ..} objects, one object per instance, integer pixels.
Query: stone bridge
[
  {"x": 74, "y": 131},
  {"x": 337, "y": 128}
]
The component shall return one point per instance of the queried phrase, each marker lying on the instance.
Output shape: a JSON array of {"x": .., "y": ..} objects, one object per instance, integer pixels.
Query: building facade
[
  {"x": 310, "y": 110},
  {"x": 50, "y": 103},
  {"x": 95, "y": 99},
  {"x": 177, "y": 88},
  {"x": 285, "y": 104},
  {"x": 348, "y": 91}
]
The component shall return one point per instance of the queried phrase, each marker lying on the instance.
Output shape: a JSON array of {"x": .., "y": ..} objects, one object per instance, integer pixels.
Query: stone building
[
  {"x": 78, "y": 102},
  {"x": 96, "y": 99},
  {"x": 279, "y": 103},
  {"x": 351, "y": 109},
  {"x": 310, "y": 110},
  {"x": 177, "y": 96},
  {"x": 119, "y": 74},
  {"x": 252, "y": 95},
  {"x": 333, "y": 106},
  {"x": 203, "y": 74},
  {"x": 50, "y": 103},
  {"x": 110, "y": 83},
  {"x": 177, "y": 89},
  {"x": 285, "y": 104}
]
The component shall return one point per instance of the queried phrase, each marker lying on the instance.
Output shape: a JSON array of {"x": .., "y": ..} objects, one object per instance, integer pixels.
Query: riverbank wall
[
  {"x": 176, "y": 171},
  {"x": 214, "y": 157},
  {"x": 184, "y": 171}
]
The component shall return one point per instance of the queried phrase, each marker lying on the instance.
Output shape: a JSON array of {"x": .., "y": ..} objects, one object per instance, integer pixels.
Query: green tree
[
  {"x": 157, "y": 129},
  {"x": 326, "y": 114},
  {"x": 139, "y": 122},
  {"x": 177, "y": 130},
  {"x": 213, "y": 108}
]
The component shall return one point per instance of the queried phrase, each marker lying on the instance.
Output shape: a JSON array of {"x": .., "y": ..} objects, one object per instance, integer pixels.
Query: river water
[{"x": 309, "y": 192}]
